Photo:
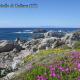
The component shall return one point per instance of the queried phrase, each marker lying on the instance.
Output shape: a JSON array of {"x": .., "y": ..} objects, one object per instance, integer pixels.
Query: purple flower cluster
[
  {"x": 40, "y": 77},
  {"x": 78, "y": 66},
  {"x": 64, "y": 67},
  {"x": 52, "y": 71}
]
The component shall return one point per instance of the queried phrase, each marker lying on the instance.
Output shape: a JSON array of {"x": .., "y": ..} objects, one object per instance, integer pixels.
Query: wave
[
  {"x": 27, "y": 30},
  {"x": 59, "y": 30},
  {"x": 22, "y": 32}
]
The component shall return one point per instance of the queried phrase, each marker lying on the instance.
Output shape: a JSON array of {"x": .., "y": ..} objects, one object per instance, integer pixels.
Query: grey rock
[
  {"x": 4, "y": 71},
  {"x": 6, "y": 46},
  {"x": 18, "y": 47},
  {"x": 76, "y": 36},
  {"x": 38, "y": 35},
  {"x": 54, "y": 34},
  {"x": 39, "y": 30}
]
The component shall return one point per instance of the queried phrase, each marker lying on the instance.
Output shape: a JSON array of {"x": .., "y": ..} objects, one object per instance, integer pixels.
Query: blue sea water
[{"x": 26, "y": 33}]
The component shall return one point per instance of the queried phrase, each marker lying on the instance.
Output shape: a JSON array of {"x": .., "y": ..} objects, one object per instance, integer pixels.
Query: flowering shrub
[{"x": 66, "y": 67}]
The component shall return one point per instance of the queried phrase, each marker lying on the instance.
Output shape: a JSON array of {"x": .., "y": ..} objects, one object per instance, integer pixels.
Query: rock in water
[
  {"x": 37, "y": 36},
  {"x": 39, "y": 31},
  {"x": 6, "y": 46}
]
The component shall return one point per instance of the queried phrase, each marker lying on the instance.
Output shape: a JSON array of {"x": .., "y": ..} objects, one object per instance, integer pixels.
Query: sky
[{"x": 51, "y": 13}]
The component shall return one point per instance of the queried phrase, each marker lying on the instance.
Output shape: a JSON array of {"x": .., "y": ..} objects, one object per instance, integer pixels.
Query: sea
[{"x": 26, "y": 33}]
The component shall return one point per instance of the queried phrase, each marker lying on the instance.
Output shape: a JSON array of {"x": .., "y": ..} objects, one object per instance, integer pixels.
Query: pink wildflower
[
  {"x": 61, "y": 68},
  {"x": 39, "y": 77},
  {"x": 58, "y": 77},
  {"x": 79, "y": 78},
  {"x": 51, "y": 68},
  {"x": 78, "y": 66},
  {"x": 67, "y": 69},
  {"x": 53, "y": 74}
]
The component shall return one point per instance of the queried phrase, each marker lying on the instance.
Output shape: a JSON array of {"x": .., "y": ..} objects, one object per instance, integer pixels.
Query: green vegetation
[
  {"x": 53, "y": 64},
  {"x": 43, "y": 54},
  {"x": 77, "y": 45},
  {"x": 65, "y": 67}
]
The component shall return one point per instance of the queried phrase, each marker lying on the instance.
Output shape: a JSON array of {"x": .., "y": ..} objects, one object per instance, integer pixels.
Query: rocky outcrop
[
  {"x": 54, "y": 34},
  {"x": 11, "y": 53},
  {"x": 18, "y": 47},
  {"x": 6, "y": 46},
  {"x": 76, "y": 36},
  {"x": 68, "y": 40},
  {"x": 39, "y": 30},
  {"x": 38, "y": 35},
  {"x": 4, "y": 71},
  {"x": 46, "y": 43},
  {"x": 50, "y": 42}
]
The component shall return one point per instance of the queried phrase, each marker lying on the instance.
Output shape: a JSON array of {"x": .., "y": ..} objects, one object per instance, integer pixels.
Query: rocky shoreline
[{"x": 12, "y": 52}]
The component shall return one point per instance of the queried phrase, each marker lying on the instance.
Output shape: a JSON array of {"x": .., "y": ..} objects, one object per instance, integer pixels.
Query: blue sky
[{"x": 62, "y": 13}]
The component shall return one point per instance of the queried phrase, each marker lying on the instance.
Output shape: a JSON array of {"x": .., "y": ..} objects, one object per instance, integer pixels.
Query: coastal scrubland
[
  {"x": 53, "y": 56},
  {"x": 53, "y": 64}
]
